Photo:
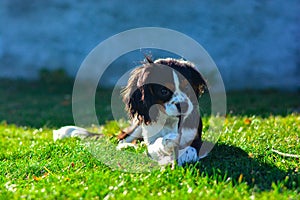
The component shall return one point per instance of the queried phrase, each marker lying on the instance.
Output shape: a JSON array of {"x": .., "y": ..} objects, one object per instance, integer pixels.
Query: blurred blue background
[{"x": 255, "y": 44}]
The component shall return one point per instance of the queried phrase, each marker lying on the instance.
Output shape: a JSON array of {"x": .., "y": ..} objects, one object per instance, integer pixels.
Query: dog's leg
[
  {"x": 158, "y": 152},
  {"x": 187, "y": 155},
  {"x": 162, "y": 149},
  {"x": 126, "y": 132},
  {"x": 73, "y": 131},
  {"x": 136, "y": 134}
]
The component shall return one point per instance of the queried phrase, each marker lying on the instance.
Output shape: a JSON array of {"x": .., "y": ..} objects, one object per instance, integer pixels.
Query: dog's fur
[{"x": 161, "y": 98}]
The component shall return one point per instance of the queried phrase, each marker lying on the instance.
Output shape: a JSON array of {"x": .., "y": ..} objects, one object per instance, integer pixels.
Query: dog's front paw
[
  {"x": 187, "y": 155},
  {"x": 170, "y": 141}
]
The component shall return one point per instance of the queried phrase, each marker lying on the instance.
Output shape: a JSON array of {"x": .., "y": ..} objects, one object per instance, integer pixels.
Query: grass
[{"x": 241, "y": 165}]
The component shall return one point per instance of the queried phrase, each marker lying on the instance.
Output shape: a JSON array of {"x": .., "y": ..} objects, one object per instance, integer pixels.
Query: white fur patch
[
  {"x": 187, "y": 136},
  {"x": 176, "y": 81},
  {"x": 125, "y": 145},
  {"x": 69, "y": 131},
  {"x": 187, "y": 155},
  {"x": 178, "y": 97},
  {"x": 164, "y": 125}
]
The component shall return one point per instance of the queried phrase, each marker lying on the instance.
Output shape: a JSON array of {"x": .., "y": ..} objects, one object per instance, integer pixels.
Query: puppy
[{"x": 161, "y": 98}]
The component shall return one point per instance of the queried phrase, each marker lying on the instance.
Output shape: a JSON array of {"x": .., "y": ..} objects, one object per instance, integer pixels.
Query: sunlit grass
[{"x": 242, "y": 164}]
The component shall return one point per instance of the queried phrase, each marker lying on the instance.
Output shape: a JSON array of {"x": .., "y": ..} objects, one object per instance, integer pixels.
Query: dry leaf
[{"x": 247, "y": 121}]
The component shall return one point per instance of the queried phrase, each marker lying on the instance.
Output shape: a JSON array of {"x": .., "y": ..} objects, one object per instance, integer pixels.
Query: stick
[
  {"x": 176, "y": 148},
  {"x": 286, "y": 154}
]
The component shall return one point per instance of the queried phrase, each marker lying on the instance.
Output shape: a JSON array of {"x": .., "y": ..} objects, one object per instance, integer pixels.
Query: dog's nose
[{"x": 182, "y": 107}]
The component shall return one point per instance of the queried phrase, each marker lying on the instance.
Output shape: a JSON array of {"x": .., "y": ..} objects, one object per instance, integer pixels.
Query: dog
[{"x": 161, "y": 98}]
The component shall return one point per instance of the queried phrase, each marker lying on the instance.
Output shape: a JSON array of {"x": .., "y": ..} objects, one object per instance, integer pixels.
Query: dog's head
[{"x": 166, "y": 85}]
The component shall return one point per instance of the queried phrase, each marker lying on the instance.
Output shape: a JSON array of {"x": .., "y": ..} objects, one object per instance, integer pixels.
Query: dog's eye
[{"x": 164, "y": 92}]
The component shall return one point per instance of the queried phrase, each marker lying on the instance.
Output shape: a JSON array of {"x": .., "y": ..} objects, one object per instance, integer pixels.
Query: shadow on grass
[{"x": 233, "y": 163}]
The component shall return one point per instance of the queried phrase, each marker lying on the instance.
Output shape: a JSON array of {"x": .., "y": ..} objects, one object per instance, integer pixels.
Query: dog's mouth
[{"x": 176, "y": 109}]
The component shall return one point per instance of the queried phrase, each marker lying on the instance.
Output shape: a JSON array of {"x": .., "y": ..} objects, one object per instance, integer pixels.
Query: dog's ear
[
  {"x": 136, "y": 95},
  {"x": 132, "y": 95},
  {"x": 199, "y": 83}
]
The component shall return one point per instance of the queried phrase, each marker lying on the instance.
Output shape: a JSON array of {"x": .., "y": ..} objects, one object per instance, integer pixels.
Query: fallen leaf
[
  {"x": 240, "y": 178},
  {"x": 247, "y": 121},
  {"x": 37, "y": 178}
]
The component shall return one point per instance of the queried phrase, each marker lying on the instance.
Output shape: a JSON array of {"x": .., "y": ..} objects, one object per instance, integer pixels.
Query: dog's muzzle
[{"x": 182, "y": 107}]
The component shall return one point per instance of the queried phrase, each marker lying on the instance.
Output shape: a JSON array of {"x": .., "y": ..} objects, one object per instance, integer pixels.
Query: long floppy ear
[
  {"x": 135, "y": 95},
  {"x": 199, "y": 83}
]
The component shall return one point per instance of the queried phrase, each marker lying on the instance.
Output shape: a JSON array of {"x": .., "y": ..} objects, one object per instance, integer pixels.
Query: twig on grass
[{"x": 286, "y": 154}]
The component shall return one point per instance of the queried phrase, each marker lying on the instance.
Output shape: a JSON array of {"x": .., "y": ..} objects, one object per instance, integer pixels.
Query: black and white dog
[{"x": 161, "y": 98}]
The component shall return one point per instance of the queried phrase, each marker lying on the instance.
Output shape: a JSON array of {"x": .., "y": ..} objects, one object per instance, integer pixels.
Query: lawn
[{"x": 242, "y": 164}]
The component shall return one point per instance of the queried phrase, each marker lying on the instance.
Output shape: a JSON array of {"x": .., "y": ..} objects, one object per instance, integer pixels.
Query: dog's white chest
[{"x": 159, "y": 129}]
